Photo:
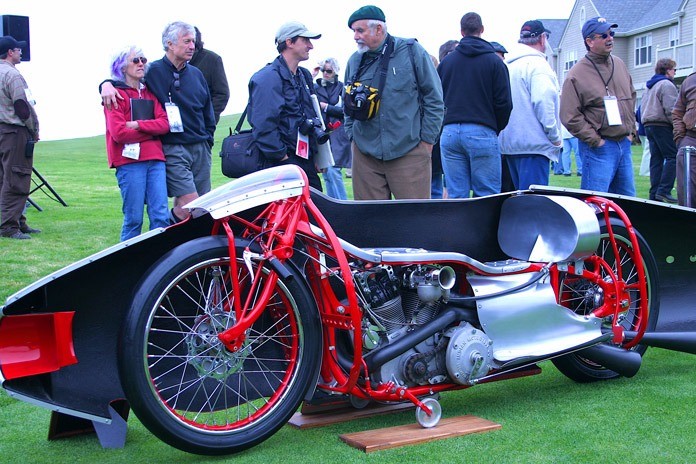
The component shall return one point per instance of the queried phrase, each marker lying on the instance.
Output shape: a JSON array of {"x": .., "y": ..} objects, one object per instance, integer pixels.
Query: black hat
[
  {"x": 533, "y": 28},
  {"x": 366, "y": 12},
  {"x": 498, "y": 48},
  {"x": 7, "y": 42}
]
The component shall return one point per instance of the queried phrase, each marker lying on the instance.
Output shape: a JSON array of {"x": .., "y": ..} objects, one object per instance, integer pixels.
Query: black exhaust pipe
[
  {"x": 386, "y": 353},
  {"x": 623, "y": 362},
  {"x": 675, "y": 341}
]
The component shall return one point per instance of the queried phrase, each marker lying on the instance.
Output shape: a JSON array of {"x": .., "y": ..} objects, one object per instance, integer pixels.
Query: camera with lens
[
  {"x": 359, "y": 95},
  {"x": 312, "y": 127},
  {"x": 360, "y": 101}
]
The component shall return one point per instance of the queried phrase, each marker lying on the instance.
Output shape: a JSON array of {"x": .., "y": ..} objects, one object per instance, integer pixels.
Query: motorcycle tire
[
  {"x": 581, "y": 369},
  {"x": 181, "y": 381}
]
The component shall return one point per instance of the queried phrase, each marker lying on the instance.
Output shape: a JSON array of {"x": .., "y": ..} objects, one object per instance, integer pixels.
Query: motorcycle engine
[{"x": 398, "y": 300}]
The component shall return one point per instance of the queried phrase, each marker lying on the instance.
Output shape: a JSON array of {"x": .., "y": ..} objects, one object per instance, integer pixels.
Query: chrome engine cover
[
  {"x": 528, "y": 321},
  {"x": 469, "y": 354}
]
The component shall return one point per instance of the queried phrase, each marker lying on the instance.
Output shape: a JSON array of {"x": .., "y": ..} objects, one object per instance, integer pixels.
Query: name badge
[
  {"x": 302, "y": 149},
  {"x": 174, "y": 116},
  {"x": 131, "y": 150},
  {"x": 611, "y": 106}
]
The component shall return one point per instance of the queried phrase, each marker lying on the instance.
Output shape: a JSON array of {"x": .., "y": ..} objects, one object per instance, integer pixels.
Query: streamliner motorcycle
[{"x": 215, "y": 330}]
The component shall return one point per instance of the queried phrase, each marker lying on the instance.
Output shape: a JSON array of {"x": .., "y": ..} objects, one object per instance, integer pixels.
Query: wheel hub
[{"x": 208, "y": 354}]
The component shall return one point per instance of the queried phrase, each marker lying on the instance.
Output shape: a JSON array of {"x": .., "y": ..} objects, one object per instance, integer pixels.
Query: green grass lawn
[{"x": 545, "y": 418}]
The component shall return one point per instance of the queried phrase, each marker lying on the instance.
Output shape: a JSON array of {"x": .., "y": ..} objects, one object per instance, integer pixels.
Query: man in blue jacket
[
  {"x": 476, "y": 87},
  {"x": 281, "y": 114}
]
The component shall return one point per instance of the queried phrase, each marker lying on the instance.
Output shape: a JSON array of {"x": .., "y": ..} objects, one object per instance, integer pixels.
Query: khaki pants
[{"x": 407, "y": 177}]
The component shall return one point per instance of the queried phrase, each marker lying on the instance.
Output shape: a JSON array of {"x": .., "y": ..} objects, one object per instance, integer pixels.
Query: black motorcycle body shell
[{"x": 85, "y": 303}]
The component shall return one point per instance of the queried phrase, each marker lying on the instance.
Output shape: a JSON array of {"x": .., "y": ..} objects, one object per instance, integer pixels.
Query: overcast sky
[{"x": 72, "y": 42}]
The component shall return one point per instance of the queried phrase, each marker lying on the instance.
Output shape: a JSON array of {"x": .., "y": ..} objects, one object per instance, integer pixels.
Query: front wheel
[
  {"x": 583, "y": 297},
  {"x": 183, "y": 383}
]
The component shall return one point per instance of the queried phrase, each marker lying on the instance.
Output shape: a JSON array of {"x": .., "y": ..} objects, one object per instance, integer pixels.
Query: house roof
[
  {"x": 633, "y": 15},
  {"x": 556, "y": 26}
]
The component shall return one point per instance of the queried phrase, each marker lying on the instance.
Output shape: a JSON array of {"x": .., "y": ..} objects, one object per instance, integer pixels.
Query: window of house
[
  {"x": 583, "y": 16},
  {"x": 569, "y": 60},
  {"x": 643, "y": 50},
  {"x": 673, "y": 36}
]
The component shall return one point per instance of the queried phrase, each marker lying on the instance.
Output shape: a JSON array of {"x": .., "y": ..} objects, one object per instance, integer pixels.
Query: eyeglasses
[
  {"x": 140, "y": 59},
  {"x": 605, "y": 36},
  {"x": 327, "y": 71},
  {"x": 177, "y": 82}
]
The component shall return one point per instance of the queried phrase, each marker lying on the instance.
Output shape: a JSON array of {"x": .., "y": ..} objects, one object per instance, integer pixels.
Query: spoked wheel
[
  {"x": 583, "y": 297},
  {"x": 184, "y": 384}
]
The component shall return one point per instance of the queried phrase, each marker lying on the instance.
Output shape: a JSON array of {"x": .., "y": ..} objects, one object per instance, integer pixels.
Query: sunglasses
[
  {"x": 140, "y": 59},
  {"x": 327, "y": 71},
  {"x": 605, "y": 36},
  {"x": 177, "y": 82}
]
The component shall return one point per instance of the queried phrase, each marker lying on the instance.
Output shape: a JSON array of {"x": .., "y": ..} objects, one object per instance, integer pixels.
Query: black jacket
[
  {"x": 332, "y": 93},
  {"x": 213, "y": 70},
  {"x": 191, "y": 95},
  {"x": 278, "y": 102},
  {"x": 476, "y": 85}
]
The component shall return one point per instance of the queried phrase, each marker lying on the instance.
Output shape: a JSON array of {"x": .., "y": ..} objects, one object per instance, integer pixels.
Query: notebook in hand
[{"x": 142, "y": 109}]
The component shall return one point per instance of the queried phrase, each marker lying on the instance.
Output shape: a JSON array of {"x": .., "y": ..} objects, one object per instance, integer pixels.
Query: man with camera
[
  {"x": 285, "y": 126},
  {"x": 393, "y": 106}
]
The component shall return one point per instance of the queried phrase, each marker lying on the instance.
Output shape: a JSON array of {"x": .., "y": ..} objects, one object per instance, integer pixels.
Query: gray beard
[{"x": 362, "y": 48}]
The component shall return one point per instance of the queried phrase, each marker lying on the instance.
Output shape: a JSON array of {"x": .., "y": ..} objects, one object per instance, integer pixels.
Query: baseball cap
[
  {"x": 533, "y": 28},
  {"x": 7, "y": 42},
  {"x": 294, "y": 29},
  {"x": 596, "y": 25}
]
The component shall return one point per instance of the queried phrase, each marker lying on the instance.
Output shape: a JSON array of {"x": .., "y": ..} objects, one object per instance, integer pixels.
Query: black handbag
[{"x": 239, "y": 155}]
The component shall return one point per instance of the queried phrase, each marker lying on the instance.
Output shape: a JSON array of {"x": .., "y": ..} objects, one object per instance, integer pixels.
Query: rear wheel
[
  {"x": 583, "y": 297},
  {"x": 183, "y": 383}
]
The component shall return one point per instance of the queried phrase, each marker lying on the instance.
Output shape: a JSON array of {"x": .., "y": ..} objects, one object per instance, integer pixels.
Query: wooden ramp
[
  {"x": 345, "y": 414},
  {"x": 411, "y": 434}
]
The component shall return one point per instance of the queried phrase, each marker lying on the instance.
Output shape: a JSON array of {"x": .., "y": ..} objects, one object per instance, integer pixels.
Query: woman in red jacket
[{"x": 133, "y": 146}]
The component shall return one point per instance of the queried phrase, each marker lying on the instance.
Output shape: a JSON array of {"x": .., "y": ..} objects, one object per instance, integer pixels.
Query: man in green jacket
[{"x": 392, "y": 149}]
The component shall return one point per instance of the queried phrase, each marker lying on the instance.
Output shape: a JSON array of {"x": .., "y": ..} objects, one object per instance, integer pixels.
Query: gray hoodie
[{"x": 534, "y": 124}]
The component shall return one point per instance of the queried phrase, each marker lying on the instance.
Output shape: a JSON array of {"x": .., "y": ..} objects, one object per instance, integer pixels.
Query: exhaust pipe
[
  {"x": 624, "y": 362},
  {"x": 675, "y": 341},
  {"x": 386, "y": 353}
]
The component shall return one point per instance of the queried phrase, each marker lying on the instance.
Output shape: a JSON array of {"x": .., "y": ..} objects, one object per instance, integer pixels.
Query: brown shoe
[{"x": 19, "y": 235}]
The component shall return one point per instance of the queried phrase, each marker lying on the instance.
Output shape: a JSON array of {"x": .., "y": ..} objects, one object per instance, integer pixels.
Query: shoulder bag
[{"x": 239, "y": 155}]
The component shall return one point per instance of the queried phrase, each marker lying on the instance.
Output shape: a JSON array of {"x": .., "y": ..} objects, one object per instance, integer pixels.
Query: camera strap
[{"x": 384, "y": 58}]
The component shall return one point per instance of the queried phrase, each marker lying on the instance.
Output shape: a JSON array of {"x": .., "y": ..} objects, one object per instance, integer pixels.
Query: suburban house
[{"x": 648, "y": 30}]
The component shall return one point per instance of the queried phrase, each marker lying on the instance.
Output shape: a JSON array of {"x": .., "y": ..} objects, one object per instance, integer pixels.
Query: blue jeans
[
  {"x": 470, "y": 160},
  {"x": 569, "y": 145},
  {"x": 143, "y": 184},
  {"x": 333, "y": 180},
  {"x": 608, "y": 168},
  {"x": 526, "y": 170}
]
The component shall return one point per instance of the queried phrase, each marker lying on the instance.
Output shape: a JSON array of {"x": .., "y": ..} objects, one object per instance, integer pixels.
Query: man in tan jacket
[{"x": 598, "y": 107}]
